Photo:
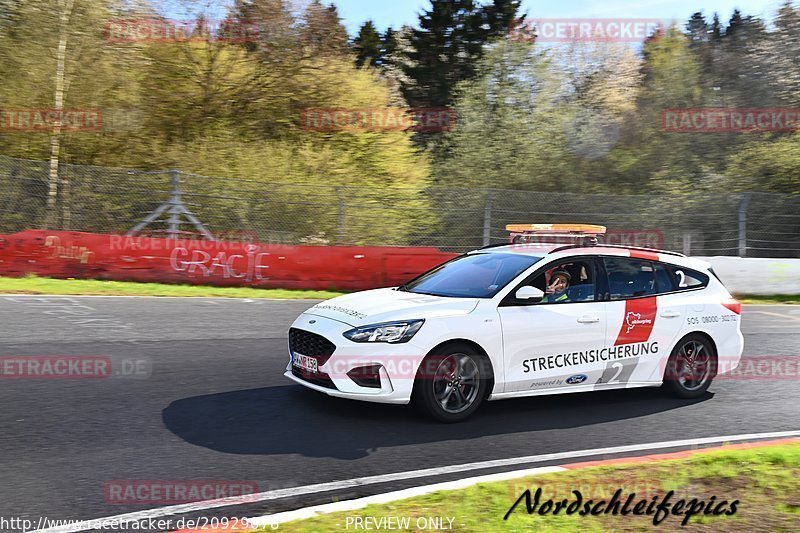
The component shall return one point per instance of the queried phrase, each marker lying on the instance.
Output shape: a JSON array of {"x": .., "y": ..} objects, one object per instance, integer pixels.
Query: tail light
[{"x": 733, "y": 304}]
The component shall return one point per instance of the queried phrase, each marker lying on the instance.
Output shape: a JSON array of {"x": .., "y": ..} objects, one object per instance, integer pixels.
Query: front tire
[
  {"x": 452, "y": 383},
  {"x": 691, "y": 368}
]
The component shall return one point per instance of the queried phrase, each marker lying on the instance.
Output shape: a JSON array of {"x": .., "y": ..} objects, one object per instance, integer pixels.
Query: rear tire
[
  {"x": 691, "y": 368},
  {"x": 452, "y": 383}
]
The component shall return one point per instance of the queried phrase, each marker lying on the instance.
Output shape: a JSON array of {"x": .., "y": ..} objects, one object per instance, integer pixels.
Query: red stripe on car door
[{"x": 638, "y": 322}]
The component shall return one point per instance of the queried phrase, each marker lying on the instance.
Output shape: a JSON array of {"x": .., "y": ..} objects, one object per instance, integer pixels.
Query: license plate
[{"x": 306, "y": 363}]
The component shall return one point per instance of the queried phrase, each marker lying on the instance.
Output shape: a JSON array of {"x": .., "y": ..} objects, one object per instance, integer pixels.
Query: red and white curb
[{"x": 197, "y": 508}]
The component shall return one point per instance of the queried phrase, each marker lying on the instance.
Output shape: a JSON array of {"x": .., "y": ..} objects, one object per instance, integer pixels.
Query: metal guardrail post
[
  {"x": 487, "y": 218},
  {"x": 175, "y": 201},
  {"x": 340, "y": 223},
  {"x": 746, "y": 198}
]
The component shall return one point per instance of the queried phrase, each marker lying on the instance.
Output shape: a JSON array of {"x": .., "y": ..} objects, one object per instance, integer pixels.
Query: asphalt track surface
[{"x": 210, "y": 402}]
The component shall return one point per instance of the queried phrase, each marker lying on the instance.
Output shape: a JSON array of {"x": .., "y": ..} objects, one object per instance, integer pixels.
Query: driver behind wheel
[{"x": 557, "y": 289}]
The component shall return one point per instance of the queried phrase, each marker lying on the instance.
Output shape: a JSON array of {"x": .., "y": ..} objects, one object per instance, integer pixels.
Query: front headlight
[{"x": 393, "y": 332}]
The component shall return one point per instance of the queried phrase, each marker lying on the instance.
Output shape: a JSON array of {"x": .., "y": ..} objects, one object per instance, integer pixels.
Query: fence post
[
  {"x": 340, "y": 224},
  {"x": 743, "y": 223},
  {"x": 174, "y": 221},
  {"x": 487, "y": 218}
]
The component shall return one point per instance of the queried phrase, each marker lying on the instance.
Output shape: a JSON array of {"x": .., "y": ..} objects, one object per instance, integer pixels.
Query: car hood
[{"x": 385, "y": 305}]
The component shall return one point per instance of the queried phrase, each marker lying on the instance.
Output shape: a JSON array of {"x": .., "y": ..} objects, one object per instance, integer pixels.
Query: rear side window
[
  {"x": 630, "y": 278},
  {"x": 670, "y": 278},
  {"x": 685, "y": 279},
  {"x": 635, "y": 278},
  {"x": 667, "y": 281}
]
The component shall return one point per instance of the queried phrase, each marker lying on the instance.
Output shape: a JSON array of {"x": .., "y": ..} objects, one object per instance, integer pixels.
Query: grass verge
[
  {"x": 793, "y": 299},
  {"x": 765, "y": 480},
  {"x": 91, "y": 287}
]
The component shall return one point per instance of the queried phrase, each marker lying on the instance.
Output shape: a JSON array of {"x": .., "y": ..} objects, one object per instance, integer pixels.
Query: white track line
[
  {"x": 413, "y": 474},
  {"x": 360, "y": 503}
]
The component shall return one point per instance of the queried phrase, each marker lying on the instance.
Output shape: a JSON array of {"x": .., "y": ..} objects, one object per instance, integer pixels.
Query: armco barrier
[
  {"x": 114, "y": 257},
  {"x": 758, "y": 276}
]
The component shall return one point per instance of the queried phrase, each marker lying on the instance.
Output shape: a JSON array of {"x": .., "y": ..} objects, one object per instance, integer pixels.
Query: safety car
[{"x": 525, "y": 318}]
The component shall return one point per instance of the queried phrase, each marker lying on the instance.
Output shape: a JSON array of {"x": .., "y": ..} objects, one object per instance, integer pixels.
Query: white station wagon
[{"x": 521, "y": 320}]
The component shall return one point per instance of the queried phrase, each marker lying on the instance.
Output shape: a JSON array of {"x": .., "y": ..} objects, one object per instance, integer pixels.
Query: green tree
[
  {"x": 448, "y": 43},
  {"x": 716, "y": 29},
  {"x": 97, "y": 74},
  {"x": 500, "y": 17},
  {"x": 397, "y": 62},
  {"x": 697, "y": 29},
  {"x": 740, "y": 73},
  {"x": 734, "y": 24},
  {"x": 71, "y": 67},
  {"x": 198, "y": 86},
  {"x": 772, "y": 166},
  {"x": 604, "y": 81},
  {"x": 664, "y": 160},
  {"x": 368, "y": 45},
  {"x": 509, "y": 130},
  {"x": 444, "y": 50},
  {"x": 779, "y": 53},
  {"x": 699, "y": 33},
  {"x": 322, "y": 32},
  {"x": 276, "y": 23},
  {"x": 389, "y": 42}
]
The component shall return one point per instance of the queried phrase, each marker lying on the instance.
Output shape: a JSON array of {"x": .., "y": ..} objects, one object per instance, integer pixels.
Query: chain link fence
[{"x": 113, "y": 200}]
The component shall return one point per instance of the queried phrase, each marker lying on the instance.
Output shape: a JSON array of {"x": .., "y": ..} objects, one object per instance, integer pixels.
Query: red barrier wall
[{"x": 60, "y": 254}]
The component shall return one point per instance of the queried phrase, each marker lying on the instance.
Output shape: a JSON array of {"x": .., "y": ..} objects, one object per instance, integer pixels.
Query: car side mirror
[{"x": 530, "y": 294}]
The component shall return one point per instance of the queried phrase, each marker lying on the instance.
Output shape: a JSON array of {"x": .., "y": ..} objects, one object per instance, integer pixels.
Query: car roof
[{"x": 551, "y": 250}]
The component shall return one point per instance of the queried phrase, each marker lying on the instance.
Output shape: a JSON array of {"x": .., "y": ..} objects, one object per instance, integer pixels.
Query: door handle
[
  {"x": 670, "y": 314},
  {"x": 589, "y": 319}
]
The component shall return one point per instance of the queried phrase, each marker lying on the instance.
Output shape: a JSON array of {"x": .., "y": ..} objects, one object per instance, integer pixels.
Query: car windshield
[{"x": 472, "y": 276}]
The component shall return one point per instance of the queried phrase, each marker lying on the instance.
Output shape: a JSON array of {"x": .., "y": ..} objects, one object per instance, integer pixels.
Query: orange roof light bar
[{"x": 549, "y": 229}]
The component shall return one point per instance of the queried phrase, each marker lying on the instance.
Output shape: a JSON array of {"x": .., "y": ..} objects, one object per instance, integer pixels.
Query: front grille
[
  {"x": 320, "y": 378},
  {"x": 316, "y": 346},
  {"x": 311, "y": 344}
]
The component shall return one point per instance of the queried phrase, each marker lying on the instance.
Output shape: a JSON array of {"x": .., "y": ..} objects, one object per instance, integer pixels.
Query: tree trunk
[{"x": 55, "y": 138}]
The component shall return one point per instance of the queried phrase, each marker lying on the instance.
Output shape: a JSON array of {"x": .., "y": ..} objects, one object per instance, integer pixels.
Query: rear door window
[{"x": 630, "y": 278}]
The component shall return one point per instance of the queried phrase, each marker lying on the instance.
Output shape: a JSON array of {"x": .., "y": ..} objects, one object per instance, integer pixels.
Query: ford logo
[{"x": 577, "y": 380}]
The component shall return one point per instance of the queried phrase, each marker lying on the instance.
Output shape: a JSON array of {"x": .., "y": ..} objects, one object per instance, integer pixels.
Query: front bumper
[{"x": 395, "y": 365}]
